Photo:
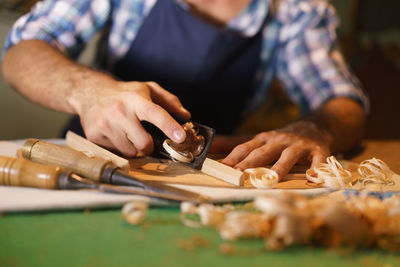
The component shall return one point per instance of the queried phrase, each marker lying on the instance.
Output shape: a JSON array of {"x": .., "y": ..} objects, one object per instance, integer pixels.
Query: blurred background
[{"x": 369, "y": 37}]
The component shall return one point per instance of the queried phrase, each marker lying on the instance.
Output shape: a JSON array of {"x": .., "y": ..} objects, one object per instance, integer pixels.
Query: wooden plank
[
  {"x": 167, "y": 171},
  {"x": 90, "y": 149},
  {"x": 222, "y": 172},
  {"x": 240, "y": 194}
]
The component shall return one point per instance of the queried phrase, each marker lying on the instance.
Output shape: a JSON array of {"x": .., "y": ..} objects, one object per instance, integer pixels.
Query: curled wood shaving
[
  {"x": 346, "y": 223},
  {"x": 209, "y": 214},
  {"x": 393, "y": 204},
  {"x": 175, "y": 155},
  {"x": 262, "y": 177},
  {"x": 188, "y": 208},
  {"x": 192, "y": 146},
  {"x": 272, "y": 206},
  {"x": 375, "y": 171},
  {"x": 330, "y": 174},
  {"x": 193, "y": 143},
  {"x": 289, "y": 229},
  {"x": 244, "y": 224},
  {"x": 384, "y": 216},
  {"x": 288, "y": 219},
  {"x": 135, "y": 212}
]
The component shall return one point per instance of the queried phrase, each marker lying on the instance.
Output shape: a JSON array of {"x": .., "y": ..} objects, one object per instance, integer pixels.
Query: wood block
[
  {"x": 222, "y": 172},
  {"x": 90, "y": 149}
]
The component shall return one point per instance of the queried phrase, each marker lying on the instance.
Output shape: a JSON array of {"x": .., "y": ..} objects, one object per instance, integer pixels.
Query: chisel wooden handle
[
  {"x": 67, "y": 158},
  {"x": 22, "y": 172}
]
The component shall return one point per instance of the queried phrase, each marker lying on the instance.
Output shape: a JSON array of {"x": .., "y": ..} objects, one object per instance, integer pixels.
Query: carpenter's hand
[
  {"x": 297, "y": 142},
  {"x": 111, "y": 116}
]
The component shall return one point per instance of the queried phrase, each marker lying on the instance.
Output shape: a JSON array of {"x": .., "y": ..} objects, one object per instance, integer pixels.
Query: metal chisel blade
[
  {"x": 78, "y": 182},
  {"x": 137, "y": 191},
  {"x": 121, "y": 178}
]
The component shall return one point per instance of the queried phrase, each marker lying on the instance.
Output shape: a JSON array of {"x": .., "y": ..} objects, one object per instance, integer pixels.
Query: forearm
[
  {"x": 342, "y": 120},
  {"x": 45, "y": 76},
  {"x": 110, "y": 111}
]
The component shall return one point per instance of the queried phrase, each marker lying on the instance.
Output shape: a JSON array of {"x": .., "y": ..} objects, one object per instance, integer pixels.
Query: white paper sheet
[{"x": 33, "y": 199}]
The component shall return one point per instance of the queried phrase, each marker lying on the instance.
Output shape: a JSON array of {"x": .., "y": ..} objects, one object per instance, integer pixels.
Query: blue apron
[{"x": 211, "y": 70}]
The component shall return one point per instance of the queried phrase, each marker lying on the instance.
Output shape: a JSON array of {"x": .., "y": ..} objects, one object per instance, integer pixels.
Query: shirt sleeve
[
  {"x": 309, "y": 63},
  {"x": 66, "y": 24}
]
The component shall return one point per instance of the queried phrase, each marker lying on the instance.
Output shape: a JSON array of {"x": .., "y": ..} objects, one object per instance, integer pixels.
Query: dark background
[{"x": 369, "y": 38}]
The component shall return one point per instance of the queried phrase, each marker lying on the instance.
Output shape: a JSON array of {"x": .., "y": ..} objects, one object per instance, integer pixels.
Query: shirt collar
[{"x": 249, "y": 21}]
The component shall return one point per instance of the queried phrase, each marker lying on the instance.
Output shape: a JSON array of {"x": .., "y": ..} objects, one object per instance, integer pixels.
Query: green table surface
[{"x": 104, "y": 238}]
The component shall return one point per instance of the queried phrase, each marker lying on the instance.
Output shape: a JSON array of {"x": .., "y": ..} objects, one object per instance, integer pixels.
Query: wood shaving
[
  {"x": 193, "y": 143},
  {"x": 226, "y": 249},
  {"x": 192, "y": 146},
  {"x": 375, "y": 171},
  {"x": 135, "y": 212},
  {"x": 273, "y": 206},
  {"x": 244, "y": 224},
  {"x": 188, "y": 208},
  {"x": 383, "y": 215},
  {"x": 330, "y": 174},
  {"x": 262, "y": 177},
  {"x": 288, "y": 219},
  {"x": 175, "y": 155},
  {"x": 209, "y": 214},
  {"x": 197, "y": 241}
]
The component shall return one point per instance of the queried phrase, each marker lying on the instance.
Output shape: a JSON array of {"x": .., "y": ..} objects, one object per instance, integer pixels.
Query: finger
[
  {"x": 114, "y": 125},
  {"x": 261, "y": 156},
  {"x": 106, "y": 135},
  {"x": 119, "y": 139},
  {"x": 241, "y": 151},
  {"x": 318, "y": 158},
  {"x": 135, "y": 133},
  {"x": 94, "y": 133},
  {"x": 287, "y": 160},
  {"x": 101, "y": 140},
  {"x": 168, "y": 101},
  {"x": 156, "y": 115}
]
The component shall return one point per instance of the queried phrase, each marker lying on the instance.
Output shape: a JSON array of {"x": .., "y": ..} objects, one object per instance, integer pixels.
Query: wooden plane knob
[{"x": 22, "y": 172}]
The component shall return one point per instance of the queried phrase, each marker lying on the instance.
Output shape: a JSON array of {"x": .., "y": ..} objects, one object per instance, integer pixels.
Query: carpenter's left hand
[{"x": 297, "y": 142}]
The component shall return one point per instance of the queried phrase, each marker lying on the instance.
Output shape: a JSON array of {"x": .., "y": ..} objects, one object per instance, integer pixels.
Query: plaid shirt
[{"x": 299, "y": 41}]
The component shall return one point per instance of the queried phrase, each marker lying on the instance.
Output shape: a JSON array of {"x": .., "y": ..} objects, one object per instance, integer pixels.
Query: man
[{"x": 217, "y": 57}]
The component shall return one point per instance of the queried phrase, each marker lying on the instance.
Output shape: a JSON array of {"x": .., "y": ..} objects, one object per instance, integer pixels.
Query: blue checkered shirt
[{"x": 299, "y": 41}]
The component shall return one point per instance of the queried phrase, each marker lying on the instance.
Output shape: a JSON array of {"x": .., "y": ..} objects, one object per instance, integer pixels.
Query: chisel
[
  {"x": 24, "y": 173},
  {"x": 96, "y": 169}
]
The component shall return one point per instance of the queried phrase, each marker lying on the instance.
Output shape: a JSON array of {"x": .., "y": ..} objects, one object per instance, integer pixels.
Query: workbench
[{"x": 103, "y": 238}]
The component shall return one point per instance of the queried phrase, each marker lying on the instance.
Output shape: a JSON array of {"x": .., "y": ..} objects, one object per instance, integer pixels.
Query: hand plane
[{"x": 192, "y": 152}]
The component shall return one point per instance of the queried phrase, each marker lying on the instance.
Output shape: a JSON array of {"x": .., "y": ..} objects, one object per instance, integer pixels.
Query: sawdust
[
  {"x": 226, "y": 249},
  {"x": 195, "y": 242}
]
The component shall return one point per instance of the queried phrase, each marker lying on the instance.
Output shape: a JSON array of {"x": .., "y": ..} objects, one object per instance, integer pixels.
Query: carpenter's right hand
[{"x": 111, "y": 116}]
